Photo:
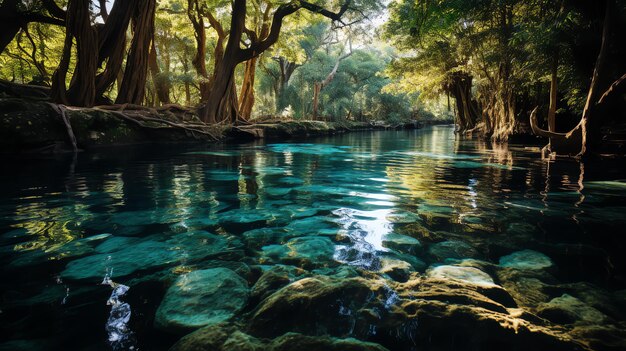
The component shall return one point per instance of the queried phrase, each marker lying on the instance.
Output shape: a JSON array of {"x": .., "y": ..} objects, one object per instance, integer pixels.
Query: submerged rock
[
  {"x": 526, "y": 259},
  {"x": 465, "y": 274},
  {"x": 257, "y": 238},
  {"x": 305, "y": 252},
  {"x": 239, "y": 220},
  {"x": 299, "y": 342},
  {"x": 440, "y": 313},
  {"x": 397, "y": 270},
  {"x": 142, "y": 256},
  {"x": 402, "y": 243},
  {"x": 197, "y": 245},
  {"x": 228, "y": 338},
  {"x": 273, "y": 279},
  {"x": 202, "y": 298},
  {"x": 317, "y": 305},
  {"x": 567, "y": 309},
  {"x": 452, "y": 249}
]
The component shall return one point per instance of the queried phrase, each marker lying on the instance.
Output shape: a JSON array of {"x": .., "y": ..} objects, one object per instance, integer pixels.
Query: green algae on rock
[
  {"x": 305, "y": 252},
  {"x": 202, "y": 298},
  {"x": 223, "y": 337},
  {"x": 526, "y": 259},
  {"x": 466, "y": 274}
]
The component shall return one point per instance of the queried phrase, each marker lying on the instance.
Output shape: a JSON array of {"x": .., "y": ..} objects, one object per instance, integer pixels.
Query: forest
[
  {"x": 499, "y": 68},
  {"x": 313, "y": 175}
]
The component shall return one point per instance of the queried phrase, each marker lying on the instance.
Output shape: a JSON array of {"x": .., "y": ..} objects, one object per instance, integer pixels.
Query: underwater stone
[
  {"x": 295, "y": 211},
  {"x": 526, "y": 259},
  {"x": 403, "y": 218},
  {"x": 315, "y": 305},
  {"x": 402, "y": 243},
  {"x": 466, "y": 274},
  {"x": 201, "y": 298},
  {"x": 240, "y": 219},
  {"x": 258, "y": 238},
  {"x": 273, "y": 279},
  {"x": 452, "y": 249},
  {"x": 198, "y": 245},
  {"x": 277, "y": 192},
  {"x": 194, "y": 223},
  {"x": 306, "y": 252},
  {"x": 310, "y": 225},
  {"x": 299, "y": 342},
  {"x": 567, "y": 309},
  {"x": 224, "y": 337},
  {"x": 145, "y": 255},
  {"x": 397, "y": 270}
]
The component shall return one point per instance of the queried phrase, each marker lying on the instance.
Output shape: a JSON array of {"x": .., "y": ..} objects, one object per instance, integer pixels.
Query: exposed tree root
[
  {"x": 141, "y": 116},
  {"x": 62, "y": 112}
]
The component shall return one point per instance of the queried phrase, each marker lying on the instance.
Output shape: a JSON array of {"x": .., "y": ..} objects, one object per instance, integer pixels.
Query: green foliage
[{"x": 502, "y": 44}]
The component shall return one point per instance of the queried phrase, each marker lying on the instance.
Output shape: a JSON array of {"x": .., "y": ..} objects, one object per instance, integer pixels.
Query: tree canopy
[{"x": 489, "y": 62}]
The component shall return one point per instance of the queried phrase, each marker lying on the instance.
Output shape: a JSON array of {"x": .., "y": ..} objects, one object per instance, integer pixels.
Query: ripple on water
[{"x": 356, "y": 226}]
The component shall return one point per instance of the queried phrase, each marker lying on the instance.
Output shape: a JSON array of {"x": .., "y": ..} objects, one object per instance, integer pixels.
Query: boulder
[
  {"x": 526, "y": 259},
  {"x": 452, "y": 249},
  {"x": 228, "y": 338},
  {"x": 306, "y": 252},
  {"x": 567, "y": 309},
  {"x": 466, "y": 274},
  {"x": 142, "y": 256},
  {"x": 402, "y": 243},
  {"x": 316, "y": 306},
  {"x": 202, "y": 298}
]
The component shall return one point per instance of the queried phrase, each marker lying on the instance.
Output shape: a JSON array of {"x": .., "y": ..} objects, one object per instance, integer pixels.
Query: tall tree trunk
[
  {"x": 221, "y": 105},
  {"x": 575, "y": 141},
  {"x": 246, "y": 97},
  {"x": 195, "y": 14},
  {"x": 83, "y": 88},
  {"x": 553, "y": 94},
  {"x": 161, "y": 84},
  {"x": 287, "y": 69},
  {"x": 112, "y": 45},
  {"x": 186, "y": 71},
  {"x": 318, "y": 86},
  {"x": 460, "y": 87},
  {"x": 135, "y": 75}
]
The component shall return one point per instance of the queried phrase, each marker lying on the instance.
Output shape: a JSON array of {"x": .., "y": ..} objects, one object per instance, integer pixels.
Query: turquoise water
[{"x": 94, "y": 248}]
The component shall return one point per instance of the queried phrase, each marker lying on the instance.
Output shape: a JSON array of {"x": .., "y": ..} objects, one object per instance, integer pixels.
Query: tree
[
  {"x": 16, "y": 15},
  {"x": 96, "y": 44},
  {"x": 222, "y": 103},
  {"x": 577, "y": 140}
]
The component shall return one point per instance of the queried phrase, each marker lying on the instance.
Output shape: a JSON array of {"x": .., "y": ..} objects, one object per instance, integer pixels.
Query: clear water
[{"x": 89, "y": 245}]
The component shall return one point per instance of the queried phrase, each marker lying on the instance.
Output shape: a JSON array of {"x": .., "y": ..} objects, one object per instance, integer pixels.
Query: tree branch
[
  {"x": 54, "y": 9},
  {"x": 37, "y": 17},
  {"x": 613, "y": 88},
  {"x": 277, "y": 23}
]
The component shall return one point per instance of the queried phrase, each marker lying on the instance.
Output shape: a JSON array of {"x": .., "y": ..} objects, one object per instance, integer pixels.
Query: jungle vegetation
[{"x": 554, "y": 68}]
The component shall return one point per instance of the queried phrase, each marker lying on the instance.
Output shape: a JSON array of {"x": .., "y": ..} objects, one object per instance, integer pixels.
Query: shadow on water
[{"x": 389, "y": 203}]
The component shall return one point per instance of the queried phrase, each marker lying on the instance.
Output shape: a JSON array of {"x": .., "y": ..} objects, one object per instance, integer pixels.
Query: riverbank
[{"x": 32, "y": 126}]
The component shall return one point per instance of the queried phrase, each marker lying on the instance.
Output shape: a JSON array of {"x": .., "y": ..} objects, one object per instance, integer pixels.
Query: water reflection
[{"x": 405, "y": 200}]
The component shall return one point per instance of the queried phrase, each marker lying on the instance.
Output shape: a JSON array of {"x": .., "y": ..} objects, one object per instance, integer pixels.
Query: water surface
[{"x": 119, "y": 226}]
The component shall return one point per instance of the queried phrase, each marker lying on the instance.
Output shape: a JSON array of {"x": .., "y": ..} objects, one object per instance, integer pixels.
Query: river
[{"x": 93, "y": 246}]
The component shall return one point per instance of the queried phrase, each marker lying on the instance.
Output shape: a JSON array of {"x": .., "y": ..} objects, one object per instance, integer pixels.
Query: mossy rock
[{"x": 202, "y": 298}]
